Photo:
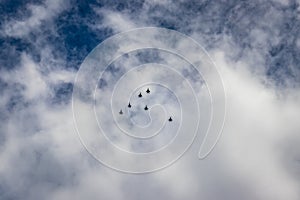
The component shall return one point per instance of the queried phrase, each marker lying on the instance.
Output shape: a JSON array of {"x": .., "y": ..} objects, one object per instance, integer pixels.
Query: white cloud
[
  {"x": 117, "y": 21},
  {"x": 39, "y": 15},
  {"x": 258, "y": 121},
  {"x": 42, "y": 157}
]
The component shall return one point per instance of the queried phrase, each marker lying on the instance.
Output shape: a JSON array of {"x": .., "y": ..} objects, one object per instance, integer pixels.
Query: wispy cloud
[
  {"x": 39, "y": 14},
  {"x": 255, "y": 47}
]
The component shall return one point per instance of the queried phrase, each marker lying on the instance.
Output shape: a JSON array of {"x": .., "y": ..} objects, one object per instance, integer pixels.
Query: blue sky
[{"x": 255, "y": 46}]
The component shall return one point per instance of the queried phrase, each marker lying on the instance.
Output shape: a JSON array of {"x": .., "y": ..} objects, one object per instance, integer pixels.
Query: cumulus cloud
[{"x": 257, "y": 156}]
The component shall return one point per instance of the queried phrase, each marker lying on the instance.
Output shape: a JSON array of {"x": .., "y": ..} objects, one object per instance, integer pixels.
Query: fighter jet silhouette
[
  {"x": 148, "y": 91},
  {"x": 146, "y": 108},
  {"x": 170, "y": 119},
  {"x": 121, "y": 112},
  {"x": 140, "y": 95}
]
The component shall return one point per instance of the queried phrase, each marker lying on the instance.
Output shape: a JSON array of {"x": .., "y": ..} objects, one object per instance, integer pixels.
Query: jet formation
[{"x": 145, "y": 108}]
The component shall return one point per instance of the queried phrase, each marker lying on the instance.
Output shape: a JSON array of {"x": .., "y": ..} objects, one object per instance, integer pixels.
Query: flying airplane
[{"x": 146, "y": 108}]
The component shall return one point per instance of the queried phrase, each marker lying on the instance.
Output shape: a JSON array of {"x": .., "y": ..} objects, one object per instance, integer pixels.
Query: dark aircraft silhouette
[{"x": 146, "y": 108}]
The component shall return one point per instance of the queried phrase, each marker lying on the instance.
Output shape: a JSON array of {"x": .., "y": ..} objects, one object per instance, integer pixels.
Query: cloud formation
[{"x": 254, "y": 45}]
